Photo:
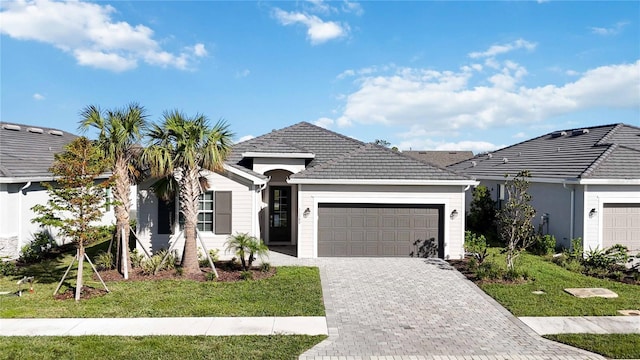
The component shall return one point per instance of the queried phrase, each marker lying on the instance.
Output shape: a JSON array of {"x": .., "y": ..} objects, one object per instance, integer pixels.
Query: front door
[{"x": 280, "y": 214}]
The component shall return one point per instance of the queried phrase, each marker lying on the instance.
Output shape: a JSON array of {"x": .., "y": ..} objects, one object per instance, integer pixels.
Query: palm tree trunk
[
  {"x": 189, "y": 194},
  {"x": 122, "y": 207}
]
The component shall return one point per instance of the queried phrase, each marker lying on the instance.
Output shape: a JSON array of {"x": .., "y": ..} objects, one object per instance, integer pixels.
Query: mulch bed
[
  {"x": 87, "y": 292},
  {"x": 226, "y": 273}
]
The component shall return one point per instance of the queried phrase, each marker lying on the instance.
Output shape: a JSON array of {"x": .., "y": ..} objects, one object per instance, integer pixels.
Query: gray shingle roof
[
  {"x": 338, "y": 156},
  {"x": 440, "y": 158},
  {"x": 373, "y": 162},
  {"x": 28, "y": 151},
  {"x": 603, "y": 152}
]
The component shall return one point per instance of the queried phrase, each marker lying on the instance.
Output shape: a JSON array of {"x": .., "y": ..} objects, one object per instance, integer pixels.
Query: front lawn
[
  {"x": 616, "y": 346},
  {"x": 553, "y": 279},
  {"x": 157, "y": 347}
]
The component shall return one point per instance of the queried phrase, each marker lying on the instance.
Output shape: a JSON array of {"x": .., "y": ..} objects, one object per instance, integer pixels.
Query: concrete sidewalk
[
  {"x": 210, "y": 326},
  {"x": 583, "y": 324}
]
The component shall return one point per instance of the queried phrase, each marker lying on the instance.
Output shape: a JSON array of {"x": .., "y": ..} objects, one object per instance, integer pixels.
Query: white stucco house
[
  {"x": 585, "y": 182},
  {"x": 26, "y": 154},
  {"x": 323, "y": 193}
]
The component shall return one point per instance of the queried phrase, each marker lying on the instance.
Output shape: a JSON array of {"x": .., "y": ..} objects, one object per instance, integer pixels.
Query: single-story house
[
  {"x": 585, "y": 182},
  {"x": 442, "y": 158},
  {"x": 324, "y": 193},
  {"x": 26, "y": 154}
]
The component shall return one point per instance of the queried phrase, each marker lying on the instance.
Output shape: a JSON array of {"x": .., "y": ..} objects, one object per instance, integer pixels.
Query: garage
[
  {"x": 380, "y": 230},
  {"x": 621, "y": 225}
]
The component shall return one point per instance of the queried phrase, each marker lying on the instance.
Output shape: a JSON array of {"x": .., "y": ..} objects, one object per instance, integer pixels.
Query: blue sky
[{"x": 421, "y": 75}]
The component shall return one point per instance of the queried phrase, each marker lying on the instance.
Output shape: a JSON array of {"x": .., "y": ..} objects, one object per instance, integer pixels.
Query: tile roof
[
  {"x": 440, "y": 158},
  {"x": 28, "y": 151},
  {"x": 338, "y": 156},
  {"x": 374, "y": 162},
  {"x": 602, "y": 152}
]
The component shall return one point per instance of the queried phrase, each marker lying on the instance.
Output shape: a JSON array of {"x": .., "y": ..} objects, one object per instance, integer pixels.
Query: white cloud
[
  {"x": 352, "y": 7},
  {"x": 90, "y": 34},
  {"x": 242, "y": 74},
  {"x": 466, "y": 99},
  {"x": 572, "y": 73},
  {"x": 318, "y": 31},
  {"x": 519, "y": 135},
  {"x": 503, "y": 49},
  {"x": 613, "y": 30},
  {"x": 465, "y": 145},
  {"x": 38, "y": 96},
  {"x": 245, "y": 138},
  {"x": 324, "y": 122}
]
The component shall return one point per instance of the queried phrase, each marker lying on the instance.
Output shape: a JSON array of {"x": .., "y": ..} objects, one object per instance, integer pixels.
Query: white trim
[
  {"x": 22, "y": 179},
  {"x": 381, "y": 182},
  {"x": 278, "y": 155},
  {"x": 255, "y": 179},
  {"x": 609, "y": 182},
  {"x": 608, "y": 200},
  {"x": 368, "y": 200}
]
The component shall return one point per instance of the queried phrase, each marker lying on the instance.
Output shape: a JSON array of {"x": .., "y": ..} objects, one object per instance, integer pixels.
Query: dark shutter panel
[
  {"x": 222, "y": 209},
  {"x": 166, "y": 216}
]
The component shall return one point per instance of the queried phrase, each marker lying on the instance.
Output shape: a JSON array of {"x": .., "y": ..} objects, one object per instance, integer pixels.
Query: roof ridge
[
  {"x": 27, "y": 126},
  {"x": 597, "y": 162},
  {"x": 604, "y": 140},
  {"x": 265, "y": 136},
  {"x": 334, "y": 133}
]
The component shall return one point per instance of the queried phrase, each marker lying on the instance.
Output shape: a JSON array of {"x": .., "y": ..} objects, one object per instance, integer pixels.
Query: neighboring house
[
  {"x": 585, "y": 182},
  {"x": 440, "y": 158},
  {"x": 26, "y": 154},
  {"x": 325, "y": 193}
]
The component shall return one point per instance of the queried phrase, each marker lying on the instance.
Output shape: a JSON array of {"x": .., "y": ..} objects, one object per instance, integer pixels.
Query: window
[
  {"x": 205, "y": 212},
  {"x": 214, "y": 213}
]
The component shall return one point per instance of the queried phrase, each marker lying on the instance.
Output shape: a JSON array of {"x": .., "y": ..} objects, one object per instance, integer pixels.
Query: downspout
[
  {"x": 22, "y": 192},
  {"x": 572, "y": 220}
]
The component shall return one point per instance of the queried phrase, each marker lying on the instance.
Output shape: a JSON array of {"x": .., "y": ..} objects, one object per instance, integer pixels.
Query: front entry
[{"x": 280, "y": 214}]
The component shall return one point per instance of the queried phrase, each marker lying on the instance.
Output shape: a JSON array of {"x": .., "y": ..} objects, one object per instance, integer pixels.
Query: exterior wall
[
  {"x": 245, "y": 207},
  {"x": 546, "y": 198},
  {"x": 16, "y": 228},
  {"x": 262, "y": 165},
  {"x": 595, "y": 196},
  {"x": 452, "y": 197}
]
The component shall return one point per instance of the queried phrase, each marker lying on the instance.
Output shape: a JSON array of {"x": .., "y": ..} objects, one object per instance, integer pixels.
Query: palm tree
[
  {"x": 120, "y": 132},
  {"x": 180, "y": 148}
]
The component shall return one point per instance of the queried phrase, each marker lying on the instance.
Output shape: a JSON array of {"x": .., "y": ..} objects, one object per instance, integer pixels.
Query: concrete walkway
[
  {"x": 212, "y": 326},
  {"x": 583, "y": 324}
]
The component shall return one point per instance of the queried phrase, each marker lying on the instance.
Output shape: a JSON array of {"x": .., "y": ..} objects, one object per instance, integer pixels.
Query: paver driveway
[{"x": 397, "y": 308}]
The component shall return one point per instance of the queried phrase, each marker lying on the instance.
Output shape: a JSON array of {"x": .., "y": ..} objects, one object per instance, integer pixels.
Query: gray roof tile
[
  {"x": 604, "y": 151},
  {"x": 440, "y": 158},
  {"x": 29, "y": 151}
]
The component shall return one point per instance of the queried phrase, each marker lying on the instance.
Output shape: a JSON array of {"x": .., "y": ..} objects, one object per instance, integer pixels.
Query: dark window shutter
[
  {"x": 222, "y": 209},
  {"x": 166, "y": 216}
]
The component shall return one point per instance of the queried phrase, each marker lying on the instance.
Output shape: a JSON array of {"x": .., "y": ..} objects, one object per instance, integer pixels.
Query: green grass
[
  {"x": 293, "y": 291},
  {"x": 553, "y": 279},
  {"x": 157, "y": 347},
  {"x": 616, "y": 346}
]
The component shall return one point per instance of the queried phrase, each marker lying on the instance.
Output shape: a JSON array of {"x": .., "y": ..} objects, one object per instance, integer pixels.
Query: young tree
[
  {"x": 514, "y": 219},
  {"x": 180, "y": 148},
  {"x": 77, "y": 201},
  {"x": 119, "y": 135}
]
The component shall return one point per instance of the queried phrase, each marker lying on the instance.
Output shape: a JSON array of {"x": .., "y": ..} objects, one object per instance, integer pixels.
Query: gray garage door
[
  {"x": 396, "y": 230},
  {"x": 622, "y": 225}
]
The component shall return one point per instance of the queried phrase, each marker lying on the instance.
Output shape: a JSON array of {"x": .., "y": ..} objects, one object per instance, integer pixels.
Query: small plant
[
  {"x": 211, "y": 276},
  {"x": 179, "y": 271},
  {"x": 476, "y": 245},
  {"x": 154, "y": 264},
  {"x": 104, "y": 261},
  {"x": 489, "y": 270},
  {"x": 213, "y": 254},
  {"x": 8, "y": 268},
  {"x": 246, "y": 275},
  {"x": 247, "y": 247},
  {"x": 577, "y": 250},
  {"x": 265, "y": 267},
  {"x": 136, "y": 258},
  {"x": 543, "y": 245}
]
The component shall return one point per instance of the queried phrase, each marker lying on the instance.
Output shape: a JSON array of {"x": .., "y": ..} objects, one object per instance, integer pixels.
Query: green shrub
[
  {"x": 246, "y": 275},
  {"x": 8, "y": 268},
  {"x": 476, "y": 245},
  {"x": 211, "y": 276},
  {"x": 204, "y": 262},
  {"x": 154, "y": 264},
  {"x": 136, "y": 258},
  {"x": 543, "y": 245},
  {"x": 489, "y": 270},
  {"x": 38, "y": 248},
  {"x": 577, "y": 250},
  {"x": 104, "y": 261},
  {"x": 265, "y": 267},
  {"x": 246, "y": 247}
]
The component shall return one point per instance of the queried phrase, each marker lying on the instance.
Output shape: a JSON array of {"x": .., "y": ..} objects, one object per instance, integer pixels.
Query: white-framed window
[{"x": 205, "y": 212}]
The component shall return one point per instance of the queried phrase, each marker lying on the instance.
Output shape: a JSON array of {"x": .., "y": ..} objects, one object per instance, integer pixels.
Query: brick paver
[{"x": 397, "y": 308}]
